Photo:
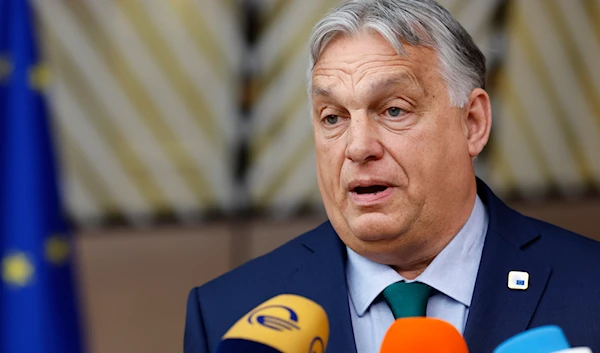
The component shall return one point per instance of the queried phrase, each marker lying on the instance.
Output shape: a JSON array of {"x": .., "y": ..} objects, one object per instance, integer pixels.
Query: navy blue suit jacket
[{"x": 564, "y": 285}]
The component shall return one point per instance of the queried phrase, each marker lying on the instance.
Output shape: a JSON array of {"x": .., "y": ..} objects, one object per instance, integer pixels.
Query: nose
[{"x": 363, "y": 144}]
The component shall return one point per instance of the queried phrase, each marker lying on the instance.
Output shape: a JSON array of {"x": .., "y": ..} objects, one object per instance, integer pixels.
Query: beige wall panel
[{"x": 135, "y": 284}]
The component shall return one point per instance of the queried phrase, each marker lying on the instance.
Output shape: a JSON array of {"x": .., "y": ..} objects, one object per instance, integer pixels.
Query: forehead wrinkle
[
  {"x": 320, "y": 91},
  {"x": 350, "y": 70},
  {"x": 351, "y": 63},
  {"x": 326, "y": 74},
  {"x": 360, "y": 68},
  {"x": 402, "y": 79},
  {"x": 381, "y": 79}
]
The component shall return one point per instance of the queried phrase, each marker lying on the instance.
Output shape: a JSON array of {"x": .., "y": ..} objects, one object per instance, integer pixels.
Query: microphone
[
  {"x": 423, "y": 335},
  {"x": 576, "y": 350},
  {"x": 286, "y": 323},
  {"x": 543, "y": 339}
]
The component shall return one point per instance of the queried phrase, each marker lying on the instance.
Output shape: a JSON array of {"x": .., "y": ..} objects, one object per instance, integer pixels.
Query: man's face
[{"x": 393, "y": 162}]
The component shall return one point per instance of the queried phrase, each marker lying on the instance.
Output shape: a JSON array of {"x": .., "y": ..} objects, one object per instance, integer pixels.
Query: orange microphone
[{"x": 423, "y": 335}]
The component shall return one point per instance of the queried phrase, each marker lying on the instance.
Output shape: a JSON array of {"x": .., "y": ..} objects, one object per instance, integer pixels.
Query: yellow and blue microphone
[{"x": 286, "y": 323}]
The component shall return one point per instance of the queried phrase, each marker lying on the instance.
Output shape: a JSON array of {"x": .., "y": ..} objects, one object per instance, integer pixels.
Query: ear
[{"x": 478, "y": 121}]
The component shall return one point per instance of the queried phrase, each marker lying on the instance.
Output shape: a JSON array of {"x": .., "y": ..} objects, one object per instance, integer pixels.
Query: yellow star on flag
[
  {"x": 17, "y": 269},
  {"x": 6, "y": 67},
  {"x": 39, "y": 77},
  {"x": 57, "y": 249}
]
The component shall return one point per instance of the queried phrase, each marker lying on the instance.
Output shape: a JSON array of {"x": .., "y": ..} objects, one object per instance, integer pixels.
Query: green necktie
[{"x": 407, "y": 299}]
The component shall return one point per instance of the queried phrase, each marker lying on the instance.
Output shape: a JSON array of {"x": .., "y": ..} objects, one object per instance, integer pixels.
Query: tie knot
[{"x": 407, "y": 299}]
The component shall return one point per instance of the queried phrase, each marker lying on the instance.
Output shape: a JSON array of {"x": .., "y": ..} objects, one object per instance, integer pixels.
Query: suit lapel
[
  {"x": 497, "y": 312},
  {"x": 322, "y": 278}
]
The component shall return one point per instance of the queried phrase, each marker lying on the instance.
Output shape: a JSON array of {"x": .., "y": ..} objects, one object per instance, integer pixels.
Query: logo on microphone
[
  {"x": 317, "y": 345},
  {"x": 275, "y": 317}
]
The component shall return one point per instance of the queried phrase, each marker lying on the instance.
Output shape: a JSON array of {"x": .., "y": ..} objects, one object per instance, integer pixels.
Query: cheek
[
  {"x": 330, "y": 157},
  {"x": 425, "y": 150},
  {"x": 443, "y": 152},
  {"x": 328, "y": 164}
]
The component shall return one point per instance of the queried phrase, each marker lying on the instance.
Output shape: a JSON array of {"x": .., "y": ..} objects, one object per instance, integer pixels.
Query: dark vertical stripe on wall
[
  {"x": 241, "y": 230},
  {"x": 494, "y": 65}
]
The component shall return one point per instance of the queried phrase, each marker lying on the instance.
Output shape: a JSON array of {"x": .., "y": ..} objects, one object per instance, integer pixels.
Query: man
[{"x": 399, "y": 112}]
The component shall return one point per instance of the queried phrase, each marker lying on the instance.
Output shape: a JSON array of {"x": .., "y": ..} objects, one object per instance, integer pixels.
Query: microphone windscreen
[
  {"x": 543, "y": 339},
  {"x": 286, "y": 323},
  {"x": 423, "y": 335}
]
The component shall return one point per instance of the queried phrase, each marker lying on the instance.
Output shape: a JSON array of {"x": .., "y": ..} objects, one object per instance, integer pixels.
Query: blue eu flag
[{"x": 39, "y": 308}]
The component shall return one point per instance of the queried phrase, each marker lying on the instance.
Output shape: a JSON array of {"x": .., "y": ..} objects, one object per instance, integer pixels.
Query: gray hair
[{"x": 415, "y": 22}]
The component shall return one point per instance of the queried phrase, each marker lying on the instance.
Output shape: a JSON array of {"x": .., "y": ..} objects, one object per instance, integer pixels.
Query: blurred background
[{"x": 185, "y": 146}]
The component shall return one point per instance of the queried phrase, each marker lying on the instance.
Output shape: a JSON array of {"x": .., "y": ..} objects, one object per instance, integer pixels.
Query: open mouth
[{"x": 369, "y": 189}]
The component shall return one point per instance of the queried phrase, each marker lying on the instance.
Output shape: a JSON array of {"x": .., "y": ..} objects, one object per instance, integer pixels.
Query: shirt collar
[{"x": 453, "y": 271}]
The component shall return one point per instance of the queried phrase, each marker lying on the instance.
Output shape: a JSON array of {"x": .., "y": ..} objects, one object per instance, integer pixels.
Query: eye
[
  {"x": 395, "y": 111},
  {"x": 332, "y": 119}
]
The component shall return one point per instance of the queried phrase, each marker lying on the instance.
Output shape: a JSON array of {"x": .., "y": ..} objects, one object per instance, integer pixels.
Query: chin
[{"x": 375, "y": 227}]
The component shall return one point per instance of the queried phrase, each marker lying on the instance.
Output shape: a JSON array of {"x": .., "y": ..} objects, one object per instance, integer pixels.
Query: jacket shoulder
[
  {"x": 561, "y": 243},
  {"x": 272, "y": 267}
]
